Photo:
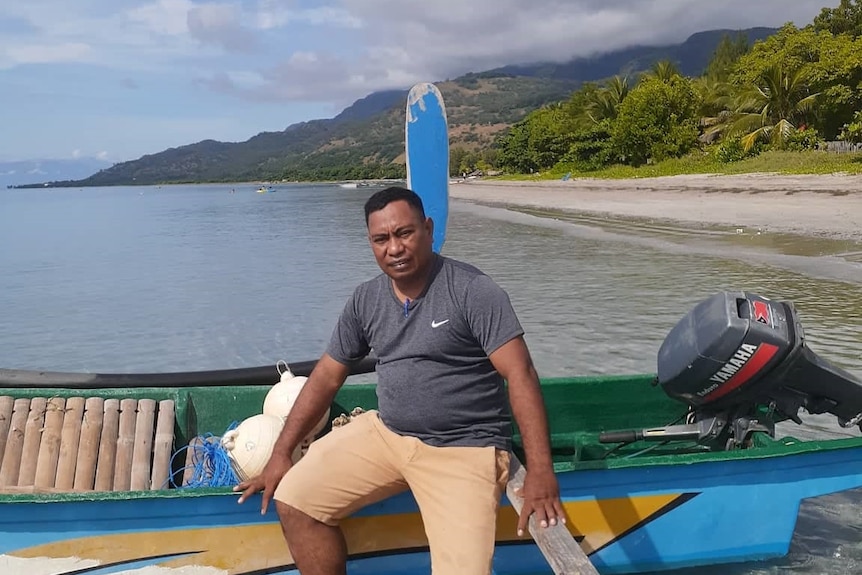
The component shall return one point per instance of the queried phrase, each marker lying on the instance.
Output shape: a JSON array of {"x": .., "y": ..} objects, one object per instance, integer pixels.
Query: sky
[{"x": 118, "y": 79}]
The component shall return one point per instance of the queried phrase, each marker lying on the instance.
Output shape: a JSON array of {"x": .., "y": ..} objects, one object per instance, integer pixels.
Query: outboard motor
[{"x": 740, "y": 363}]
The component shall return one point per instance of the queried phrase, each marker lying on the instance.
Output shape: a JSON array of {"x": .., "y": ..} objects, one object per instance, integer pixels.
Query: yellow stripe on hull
[{"x": 248, "y": 548}]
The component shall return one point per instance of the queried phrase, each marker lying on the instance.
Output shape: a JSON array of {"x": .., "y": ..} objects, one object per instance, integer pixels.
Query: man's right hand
[{"x": 267, "y": 481}]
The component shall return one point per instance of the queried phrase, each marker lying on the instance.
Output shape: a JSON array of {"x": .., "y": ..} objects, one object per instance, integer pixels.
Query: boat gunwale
[
  {"x": 44, "y": 379},
  {"x": 787, "y": 446}
]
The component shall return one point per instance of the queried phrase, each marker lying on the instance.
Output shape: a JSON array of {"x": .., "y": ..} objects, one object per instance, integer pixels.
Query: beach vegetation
[
  {"x": 852, "y": 132},
  {"x": 663, "y": 71},
  {"x": 777, "y": 105},
  {"x": 846, "y": 18},
  {"x": 732, "y": 150},
  {"x": 658, "y": 120},
  {"x": 707, "y": 162},
  {"x": 796, "y": 92}
]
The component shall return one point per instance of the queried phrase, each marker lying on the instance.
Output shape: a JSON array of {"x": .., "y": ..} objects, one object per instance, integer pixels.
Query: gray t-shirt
[{"x": 435, "y": 380}]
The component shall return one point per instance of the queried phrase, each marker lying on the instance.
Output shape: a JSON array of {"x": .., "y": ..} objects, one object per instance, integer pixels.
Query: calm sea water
[{"x": 148, "y": 279}]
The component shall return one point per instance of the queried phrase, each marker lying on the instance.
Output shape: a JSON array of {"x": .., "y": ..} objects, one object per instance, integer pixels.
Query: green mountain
[
  {"x": 366, "y": 140},
  {"x": 691, "y": 58}
]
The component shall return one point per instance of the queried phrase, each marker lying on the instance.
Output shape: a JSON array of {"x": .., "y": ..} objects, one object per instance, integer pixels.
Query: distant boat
[{"x": 262, "y": 190}]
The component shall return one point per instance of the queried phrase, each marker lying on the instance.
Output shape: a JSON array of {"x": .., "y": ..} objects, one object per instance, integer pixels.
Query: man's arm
[
  {"x": 316, "y": 396},
  {"x": 541, "y": 492}
]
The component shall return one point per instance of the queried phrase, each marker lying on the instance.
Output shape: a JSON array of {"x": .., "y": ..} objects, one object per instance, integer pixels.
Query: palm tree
[
  {"x": 604, "y": 103},
  {"x": 716, "y": 105},
  {"x": 664, "y": 70},
  {"x": 773, "y": 108}
]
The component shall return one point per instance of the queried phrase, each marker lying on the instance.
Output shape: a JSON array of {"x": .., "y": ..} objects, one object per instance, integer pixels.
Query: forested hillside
[
  {"x": 793, "y": 91},
  {"x": 366, "y": 140}
]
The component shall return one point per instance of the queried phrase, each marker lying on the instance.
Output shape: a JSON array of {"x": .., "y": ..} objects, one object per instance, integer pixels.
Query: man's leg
[
  {"x": 345, "y": 470},
  {"x": 458, "y": 490},
  {"x": 317, "y": 548}
]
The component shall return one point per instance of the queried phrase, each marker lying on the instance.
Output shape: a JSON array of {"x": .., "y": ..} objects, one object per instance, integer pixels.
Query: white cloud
[
  {"x": 455, "y": 36},
  {"x": 168, "y": 17},
  {"x": 45, "y": 53},
  {"x": 328, "y": 16},
  {"x": 148, "y": 36},
  {"x": 324, "y": 52},
  {"x": 398, "y": 43},
  {"x": 272, "y": 14},
  {"x": 220, "y": 25}
]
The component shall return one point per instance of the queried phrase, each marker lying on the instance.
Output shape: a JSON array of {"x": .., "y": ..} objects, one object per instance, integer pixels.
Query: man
[{"x": 446, "y": 338}]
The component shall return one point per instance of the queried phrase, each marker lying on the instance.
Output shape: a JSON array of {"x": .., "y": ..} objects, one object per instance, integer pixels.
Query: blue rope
[{"x": 211, "y": 465}]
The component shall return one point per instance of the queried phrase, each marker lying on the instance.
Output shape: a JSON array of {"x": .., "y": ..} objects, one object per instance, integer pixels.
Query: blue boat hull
[{"x": 628, "y": 520}]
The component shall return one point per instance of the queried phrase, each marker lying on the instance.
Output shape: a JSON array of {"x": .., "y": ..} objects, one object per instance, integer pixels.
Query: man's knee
[{"x": 292, "y": 519}]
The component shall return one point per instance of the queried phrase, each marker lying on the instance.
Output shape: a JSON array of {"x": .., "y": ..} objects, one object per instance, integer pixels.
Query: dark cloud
[
  {"x": 404, "y": 42},
  {"x": 455, "y": 35}
]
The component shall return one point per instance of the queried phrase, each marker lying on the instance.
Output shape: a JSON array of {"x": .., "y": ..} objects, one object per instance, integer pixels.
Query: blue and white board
[{"x": 427, "y": 147}]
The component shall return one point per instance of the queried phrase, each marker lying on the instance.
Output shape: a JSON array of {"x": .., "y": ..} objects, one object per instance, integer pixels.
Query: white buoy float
[
  {"x": 250, "y": 444},
  {"x": 281, "y": 397}
]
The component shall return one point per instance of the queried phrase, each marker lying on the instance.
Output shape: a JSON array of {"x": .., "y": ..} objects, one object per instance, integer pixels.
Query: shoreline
[{"x": 825, "y": 206}]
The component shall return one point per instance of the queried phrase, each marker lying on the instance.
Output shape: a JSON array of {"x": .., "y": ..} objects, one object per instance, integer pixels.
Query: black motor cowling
[{"x": 739, "y": 348}]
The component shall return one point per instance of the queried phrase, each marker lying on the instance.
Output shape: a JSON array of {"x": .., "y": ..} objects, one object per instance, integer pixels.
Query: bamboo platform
[{"x": 80, "y": 444}]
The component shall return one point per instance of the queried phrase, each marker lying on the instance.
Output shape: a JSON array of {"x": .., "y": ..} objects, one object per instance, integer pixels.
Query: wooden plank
[
  {"x": 49, "y": 446},
  {"x": 28, "y": 489},
  {"x": 88, "y": 447},
  {"x": 14, "y": 443},
  {"x": 108, "y": 446},
  {"x": 69, "y": 439},
  {"x": 143, "y": 445},
  {"x": 125, "y": 445},
  {"x": 32, "y": 440},
  {"x": 163, "y": 445},
  {"x": 560, "y": 549},
  {"x": 7, "y": 404}
]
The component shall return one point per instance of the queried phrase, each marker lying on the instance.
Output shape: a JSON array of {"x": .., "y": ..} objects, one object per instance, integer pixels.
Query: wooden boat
[{"x": 649, "y": 481}]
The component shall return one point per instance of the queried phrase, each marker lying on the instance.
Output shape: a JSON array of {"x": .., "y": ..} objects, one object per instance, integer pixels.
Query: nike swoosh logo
[{"x": 438, "y": 323}]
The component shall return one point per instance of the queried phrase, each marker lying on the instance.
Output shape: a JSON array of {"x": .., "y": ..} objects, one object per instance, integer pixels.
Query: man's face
[{"x": 401, "y": 240}]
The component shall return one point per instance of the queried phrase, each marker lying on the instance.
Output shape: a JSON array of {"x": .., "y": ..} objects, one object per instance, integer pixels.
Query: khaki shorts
[{"x": 458, "y": 489}]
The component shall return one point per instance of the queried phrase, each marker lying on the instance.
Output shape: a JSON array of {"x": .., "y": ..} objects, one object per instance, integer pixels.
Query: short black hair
[{"x": 384, "y": 197}]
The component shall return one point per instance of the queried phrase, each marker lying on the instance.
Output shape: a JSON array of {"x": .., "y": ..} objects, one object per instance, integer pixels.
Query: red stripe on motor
[{"x": 761, "y": 357}]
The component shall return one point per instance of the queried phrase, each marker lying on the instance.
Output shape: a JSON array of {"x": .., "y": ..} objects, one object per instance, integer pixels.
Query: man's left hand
[{"x": 541, "y": 495}]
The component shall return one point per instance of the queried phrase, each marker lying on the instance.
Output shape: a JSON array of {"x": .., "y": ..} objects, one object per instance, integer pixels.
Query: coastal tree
[
  {"x": 551, "y": 128},
  {"x": 774, "y": 108},
  {"x": 831, "y": 65},
  {"x": 663, "y": 70},
  {"x": 604, "y": 103},
  {"x": 460, "y": 160},
  {"x": 728, "y": 52},
  {"x": 852, "y": 132},
  {"x": 657, "y": 120},
  {"x": 837, "y": 75},
  {"x": 512, "y": 148},
  {"x": 715, "y": 105},
  {"x": 539, "y": 141},
  {"x": 846, "y": 18},
  {"x": 591, "y": 148}
]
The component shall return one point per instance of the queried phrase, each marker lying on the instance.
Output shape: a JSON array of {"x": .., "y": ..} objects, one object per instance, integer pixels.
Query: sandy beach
[{"x": 811, "y": 205}]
